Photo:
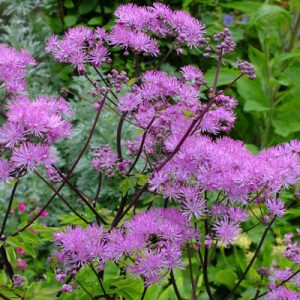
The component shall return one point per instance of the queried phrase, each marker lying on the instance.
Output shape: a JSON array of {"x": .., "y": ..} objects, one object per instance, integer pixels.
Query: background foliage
[{"x": 266, "y": 33}]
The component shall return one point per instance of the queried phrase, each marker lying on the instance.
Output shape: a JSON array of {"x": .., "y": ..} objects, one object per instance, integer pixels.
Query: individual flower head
[
  {"x": 226, "y": 231},
  {"x": 13, "y": 68},
  {"x": 28, "y": 156},
  {"x": 138, "y": 42},
  {"x": 276, "y": 207}
]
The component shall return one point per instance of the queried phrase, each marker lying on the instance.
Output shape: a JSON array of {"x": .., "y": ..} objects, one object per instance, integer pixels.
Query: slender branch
[
  {"x": 141, "y": 146},
  {"x": 164, "y": 58},
  {"x": 98, "y": 189},
  {"x": 214, "y": 88},
  {"x": 100, "y": 282},
  {"x": 194, "y": 296},
  {"x": 120, "y": 210},
  {"x": 175, "y": 285},
  {"x": 12, "y": 195},
  {"x": 62, "y": 198},
  {"x": 4, "y": 297},
  {"x": 68, "y": 174},
  {"x": 87, "y": 292},
  {"x": 144, "y": 293},
  {"x": 252, "y": 260},
  {"x": 205, "y": 265},
  {"x": 7, "y": 264},
  {"x": 78, "y": 192},
  {"x": 232, "y": 83},
  {"x": 119, "y": 136}
]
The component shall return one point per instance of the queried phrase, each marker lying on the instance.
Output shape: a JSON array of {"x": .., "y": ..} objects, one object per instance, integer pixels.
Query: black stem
[
  {"x": 12, "y": 195},
  {"x": 7, "y": 264},
  {"x": 205, "y": 266},
  {"x": 194, "y": 296},
  {"x": 144, "y": 293},
  {"x": 62, "y": 198},
  {"x": 175, "y": 285},
  {"x": 141, "y": 146},
  {"x": 119, "y": 136}
]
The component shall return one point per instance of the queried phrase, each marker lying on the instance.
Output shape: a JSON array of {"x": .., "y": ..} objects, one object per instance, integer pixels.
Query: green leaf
[
  {"x": 86, "y": 6},
  {"x": 132, "y": 81},
  {"x": 68, "y": 4},
  {"x": 142, "y": 178},
  {"x": 252, "y": 93},
  {"x": 95, "y": 21},
  {"x": 11, "y": 255},
  {"x": 226, "y": 277},
  {"x": 246, "y": 7},
  {"x": 70, "y": 20}
]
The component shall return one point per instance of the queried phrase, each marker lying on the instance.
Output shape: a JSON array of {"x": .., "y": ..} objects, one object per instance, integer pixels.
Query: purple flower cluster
[
  {"x": 152, "y": 239},
  {"x": 13, "y": 68},
  {"x": 134, "y": 25},
  {"x": 31, "y": 128},
  {"x": 135, "y": 30},
  {"x": 80, "y": 46},
  {"x": 105, "y": 160}
]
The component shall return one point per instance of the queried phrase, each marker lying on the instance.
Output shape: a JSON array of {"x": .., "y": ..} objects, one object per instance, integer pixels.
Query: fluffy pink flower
[{"x": 22, "y": 207}]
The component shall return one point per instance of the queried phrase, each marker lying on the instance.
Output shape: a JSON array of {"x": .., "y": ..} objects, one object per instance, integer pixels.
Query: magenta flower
[
  {"x": 29, "y": 156},
  {"x": 13, "y": 68},
  {"x": 275, "y": 207},
  {"x": 226, "y": 231}
]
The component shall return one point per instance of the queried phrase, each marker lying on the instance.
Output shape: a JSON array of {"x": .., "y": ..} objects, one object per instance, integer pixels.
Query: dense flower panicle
[
  {"x": 13, "y": 68},
  {"x": 79, "y": 46},
  {"x": 154, "y": 238}
]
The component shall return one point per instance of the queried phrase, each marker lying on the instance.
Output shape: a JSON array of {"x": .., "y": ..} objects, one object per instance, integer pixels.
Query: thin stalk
[
  {"x": 87, "y": 292},
  {"x": 77, "y": 191},
  {"x": 7, "y": 264},
  {"x": 252, "y": 260},
  {"x": 205, "y": 266},
  {"x": 157, "y": 66},
  {"x": 144, "y": 293},
  {"x": 98, "y": 190},
  {"x": 141, "y": 146},
  {"x": 11, "y": 199},
  {"x": 119, "y": 136},
  {"x": 194, "y": 297},
  {"x": 100, "y": 282},
  {"x": 62, "y": 198},
  {"x": 173, "y": 281}
]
